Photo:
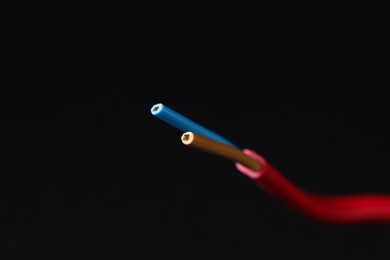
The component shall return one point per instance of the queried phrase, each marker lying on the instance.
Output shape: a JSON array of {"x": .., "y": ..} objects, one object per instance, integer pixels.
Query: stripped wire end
[
  {"x": 156, "y": 108},
  {"x": 219, "y": 149}
]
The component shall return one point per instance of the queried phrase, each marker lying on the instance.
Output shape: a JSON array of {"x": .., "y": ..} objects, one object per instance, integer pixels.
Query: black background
[{"x": 88, "y": 172}]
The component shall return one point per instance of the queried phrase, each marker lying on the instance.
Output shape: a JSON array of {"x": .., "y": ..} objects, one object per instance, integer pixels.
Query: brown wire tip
[{"x": 213, "y": 147}]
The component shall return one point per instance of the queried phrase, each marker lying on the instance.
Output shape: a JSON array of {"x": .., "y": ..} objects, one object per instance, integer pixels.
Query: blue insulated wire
[{"x": 184, "y": 124}]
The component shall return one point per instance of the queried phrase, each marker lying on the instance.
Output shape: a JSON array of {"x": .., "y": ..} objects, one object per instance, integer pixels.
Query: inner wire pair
[{"x": 202, "y": 138}]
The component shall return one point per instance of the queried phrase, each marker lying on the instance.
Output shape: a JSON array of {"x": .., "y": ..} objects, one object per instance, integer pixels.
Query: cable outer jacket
[{"x": 345, "y": 209}]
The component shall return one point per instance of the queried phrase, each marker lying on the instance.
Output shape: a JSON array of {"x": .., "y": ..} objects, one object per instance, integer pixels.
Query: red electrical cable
[{"x": 342, "y": 209}]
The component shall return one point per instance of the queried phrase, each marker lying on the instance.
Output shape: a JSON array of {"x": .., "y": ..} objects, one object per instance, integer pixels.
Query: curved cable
[
  {"x": 344, "y": 209},
  {"x": 334, "y": 209}
]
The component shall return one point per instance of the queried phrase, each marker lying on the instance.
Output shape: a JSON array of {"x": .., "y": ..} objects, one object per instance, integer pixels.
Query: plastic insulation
[
  {"x": 345, "y": 209},
  {"x": 210, "y": 146},
  {"x": 185, "y": 124}
]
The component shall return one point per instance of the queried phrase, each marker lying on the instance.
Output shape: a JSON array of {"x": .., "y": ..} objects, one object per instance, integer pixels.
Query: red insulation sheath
[{"x": 334, "y": 209}]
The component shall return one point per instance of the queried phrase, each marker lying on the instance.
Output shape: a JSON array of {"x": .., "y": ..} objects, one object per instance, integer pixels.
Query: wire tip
[
  {"x": 187, "y": 137},
  {"x": 156, "y": 108}
]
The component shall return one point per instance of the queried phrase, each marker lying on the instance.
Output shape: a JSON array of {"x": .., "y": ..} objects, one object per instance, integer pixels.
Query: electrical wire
[
  {"x": 210, "y": 146},
  {"x": 332, "y": 209},
  {"x": 185, "y": 124}
]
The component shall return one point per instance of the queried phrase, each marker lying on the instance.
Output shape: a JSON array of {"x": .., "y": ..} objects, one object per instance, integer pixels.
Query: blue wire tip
[{"x": 156, "y": 108}]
